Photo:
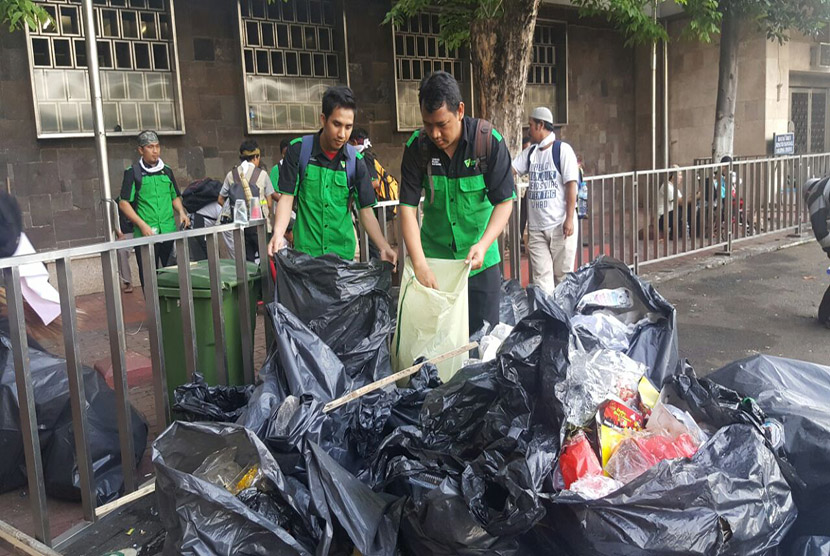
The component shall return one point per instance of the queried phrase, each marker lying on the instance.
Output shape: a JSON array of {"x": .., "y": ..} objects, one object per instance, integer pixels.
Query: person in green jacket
[
  {"x": 468, "y": 197},
  {"x": 150, "y": 199},
  {"x": 325, "y": 190}
]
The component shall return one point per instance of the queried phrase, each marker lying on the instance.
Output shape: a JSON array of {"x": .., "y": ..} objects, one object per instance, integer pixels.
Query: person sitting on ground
[
  {"x": 326, "y": 176},
  {"x": 244, "y": 182},
  {"x": 150, "y": 199}
]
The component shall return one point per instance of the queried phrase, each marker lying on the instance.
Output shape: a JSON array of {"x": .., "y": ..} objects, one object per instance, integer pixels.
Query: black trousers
[
  {"x": 484, "y": 295},
  {"x": 163, "y": 252},
  {"x": 824, "y": 309}
]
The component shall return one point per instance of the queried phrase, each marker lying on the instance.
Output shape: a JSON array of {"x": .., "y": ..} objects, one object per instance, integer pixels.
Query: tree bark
[
  {"x": 500, "y": 51},
  {"x": 724, "y": 138}
]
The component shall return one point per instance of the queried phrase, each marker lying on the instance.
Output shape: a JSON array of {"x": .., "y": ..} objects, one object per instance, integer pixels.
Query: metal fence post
[
  {"x": 26, "y": 403},
  {"x": 635, "y": 228},
  {"x": 730, "y": 212}
]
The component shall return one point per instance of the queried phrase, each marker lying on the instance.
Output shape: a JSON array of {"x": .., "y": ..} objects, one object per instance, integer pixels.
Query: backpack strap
[
  {"x": 426, "y": 161},
  {"x": 237, "y": 179},
  {"x": 483, "y": 144},
  {"x": 305, "y": 154},
  {"x": 255, "y": 179},
  {"x": 351, "y": 164},
  {"x": 136, "y": 181},
  {"x": 557, "y": 155}
]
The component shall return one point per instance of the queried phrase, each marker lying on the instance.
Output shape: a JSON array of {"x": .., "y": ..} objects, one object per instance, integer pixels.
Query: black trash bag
[
  {"x": 809, "y": 546},
  {"x": 654, "y": 344},
  {"x": 730, "y": 498},
  {"x": 50, "y": 384},
  {"x": 370, "y": 519},
  {"x": 196, "y": 401},
  {"x": 514, "y": 305},
  {"x": 203, "y": 518},
  {"x": 300, "y": 362},
  {"x": 406, "y": 409},
  {"x": 795, "y": 394},
  {"x": 346, "y": 304}
]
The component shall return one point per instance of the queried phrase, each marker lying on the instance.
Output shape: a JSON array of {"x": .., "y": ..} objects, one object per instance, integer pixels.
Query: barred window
[
  {"x": 547, "y": 74},
  {"x": 137, "y": 59},
  {"x": 292, "y": 52},
  {"x": 418, "y": 53}
]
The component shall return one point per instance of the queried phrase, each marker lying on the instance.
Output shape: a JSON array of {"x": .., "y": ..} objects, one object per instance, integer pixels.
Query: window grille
[
  {"x": 136, "y": 56},
  {"x": 292, "y": 52},
  {"x": 418, "y": 53}
]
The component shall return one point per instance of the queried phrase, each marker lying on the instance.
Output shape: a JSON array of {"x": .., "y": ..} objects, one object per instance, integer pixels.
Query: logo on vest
[
  {"x": 342, "y": 163},
  {"x": 436, "y": 162},
  {"x": 469, "y": 162}
]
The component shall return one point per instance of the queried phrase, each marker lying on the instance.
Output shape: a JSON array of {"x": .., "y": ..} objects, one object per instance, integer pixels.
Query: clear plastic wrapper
[
  {"x": 240, "y": 212},
  {"x": 594, "y": 487},
  {"x": 610, "y": 331},
  {"x": 672, "y": 421},
  {"x": 643, "y": 450},
  {"x": 594, "y": 377}
]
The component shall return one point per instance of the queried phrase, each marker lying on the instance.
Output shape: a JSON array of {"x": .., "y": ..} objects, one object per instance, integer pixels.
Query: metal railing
[
  {"x": 649, "y": 216},
  {"x": 10, "y": 268}
]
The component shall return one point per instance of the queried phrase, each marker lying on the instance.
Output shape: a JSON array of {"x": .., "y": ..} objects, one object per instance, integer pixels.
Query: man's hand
[
  {"x": 390, "y": 255},
  {"x": 475, "y": 258},
  {"x": 184, "y": 219},
  {"x": 568, "y": 226},
  {"x": 276, "y": 244},
  {"x": 425, "y": 276},
  {"x": 145, "y": 229}
]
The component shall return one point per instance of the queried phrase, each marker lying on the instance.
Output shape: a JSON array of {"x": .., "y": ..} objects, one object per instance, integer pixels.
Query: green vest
[{"x": 155, "y": 202}]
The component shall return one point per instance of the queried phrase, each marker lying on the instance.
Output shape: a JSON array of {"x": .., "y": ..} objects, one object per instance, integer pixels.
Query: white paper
[{"x": 35, "y": 286}]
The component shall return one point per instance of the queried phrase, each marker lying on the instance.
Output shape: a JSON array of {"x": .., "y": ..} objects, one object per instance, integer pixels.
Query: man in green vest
[
  {"x": 468, "y": 187},
  {"x": 327, "y": 176},
  {"x": 150, "y": 198}
]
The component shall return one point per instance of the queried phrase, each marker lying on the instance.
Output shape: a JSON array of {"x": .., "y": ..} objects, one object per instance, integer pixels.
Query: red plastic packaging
[
  {"x": 578, "y": 459},
  {"x": 638, "y": 454}
]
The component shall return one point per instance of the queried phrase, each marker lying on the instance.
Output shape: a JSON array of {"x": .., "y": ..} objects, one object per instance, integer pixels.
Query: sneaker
[{"x": 128, "y": 288}]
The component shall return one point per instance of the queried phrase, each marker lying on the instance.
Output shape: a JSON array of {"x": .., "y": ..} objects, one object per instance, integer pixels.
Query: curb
[{"x": 715, "y": 261}]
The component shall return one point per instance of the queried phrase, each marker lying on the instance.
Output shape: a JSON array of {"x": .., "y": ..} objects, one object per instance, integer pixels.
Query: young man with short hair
[
  {"x": 327, "y": 176},
  {"x": 551, "y": 201},
  {"x": 150, "y": 198},
  {"x": 468, "y": 197}
]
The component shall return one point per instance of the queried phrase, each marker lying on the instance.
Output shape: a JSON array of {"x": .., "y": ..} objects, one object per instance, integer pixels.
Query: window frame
[
  {"x": 467, "y": 88},
  {"x": 174, "y": 68},
  {"x": 563, "y": 75},
  {"x": 343, "y": 70}
]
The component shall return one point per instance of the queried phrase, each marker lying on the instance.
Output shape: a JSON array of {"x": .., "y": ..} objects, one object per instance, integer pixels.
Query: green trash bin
[{"x": 171, "y": 321}]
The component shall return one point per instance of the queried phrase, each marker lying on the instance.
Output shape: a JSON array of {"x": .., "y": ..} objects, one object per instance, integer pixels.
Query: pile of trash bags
[
  {"x": 50, "y": 384},
  {"x": 583, "y": 434}
]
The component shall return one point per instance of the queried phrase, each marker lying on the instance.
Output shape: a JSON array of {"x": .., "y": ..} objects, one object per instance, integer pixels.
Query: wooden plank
[
  {"x": 355, "y": 394},
  {"x": 21, "y": 543},
  {"x": 126, "y": 499}
]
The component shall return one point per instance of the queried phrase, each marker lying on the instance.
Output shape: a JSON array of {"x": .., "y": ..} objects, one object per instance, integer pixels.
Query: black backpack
[{"x": 483, "y": 147}]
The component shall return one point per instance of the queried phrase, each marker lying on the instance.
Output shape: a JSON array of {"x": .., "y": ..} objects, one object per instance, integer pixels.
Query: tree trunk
[
  {"x": 724, "y": 139},
  {"x": 500, "y": 50}
]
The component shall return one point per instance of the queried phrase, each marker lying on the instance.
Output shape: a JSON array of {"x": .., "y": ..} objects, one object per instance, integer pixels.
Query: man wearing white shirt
[{"x": 551, "y": 201}]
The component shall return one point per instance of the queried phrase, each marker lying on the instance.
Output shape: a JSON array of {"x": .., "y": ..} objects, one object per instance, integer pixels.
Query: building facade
[{"x": 209, "y": 73}]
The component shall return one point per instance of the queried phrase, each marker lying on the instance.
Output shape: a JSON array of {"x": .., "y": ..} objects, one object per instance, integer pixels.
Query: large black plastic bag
[
  {"x": 196, "y": 401},
  {"x": 514, "y": 305},
  {"x": 796, "y": 394},
  {"x": 653, "y": 344},
  {"x": 730, "y": 498},
  {"x": 346, "y": 304},
  {"x": 57, "y": 441},
  {"x": 205, "y": 519}
]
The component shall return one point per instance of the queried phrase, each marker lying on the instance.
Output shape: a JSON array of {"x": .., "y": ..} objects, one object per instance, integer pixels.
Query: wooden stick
[
  {"x": 101, "y": 511},
  {"x": 355, "y": 394},
  {"x": 21, "y": 543}
]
